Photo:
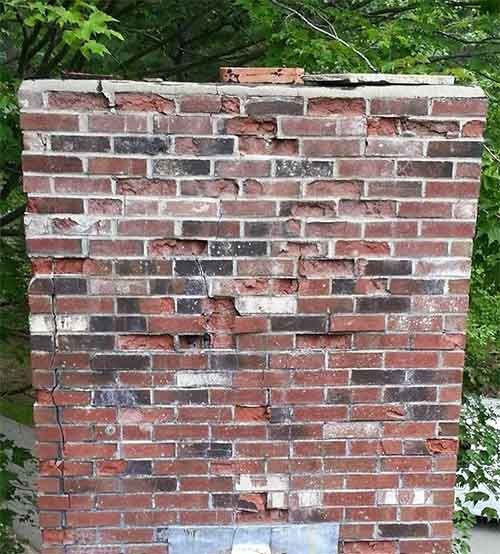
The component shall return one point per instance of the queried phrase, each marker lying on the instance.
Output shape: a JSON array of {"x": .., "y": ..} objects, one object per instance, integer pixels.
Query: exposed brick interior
[{"x": 248, "y": 306}]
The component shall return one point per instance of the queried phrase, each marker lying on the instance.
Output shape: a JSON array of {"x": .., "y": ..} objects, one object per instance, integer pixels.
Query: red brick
[
  {"x": 250, "y": 126},
  {"x": 361, "y": 248},
  {"x": 133, "y": 102},
  {"x": 49, "y": 122},
  {"x": 459, "y": 107},
  {"x": 399, "y": 106},
  {"x": 271, "y": 147},
  {"x": 336, "y": 106},
  {"x": 254, "y": 168},
  {"x": 366, "y": 168},
  {"x": 117, "y": 166},
  {"x": 77, "y": 101},
  {"x": 51, "y": 164},
  {"x": 118, "y": 123},
  {"x": 455, "y": 189},
  {"x": 379, "y": 547},
  {"x": 473, "y": 128}
]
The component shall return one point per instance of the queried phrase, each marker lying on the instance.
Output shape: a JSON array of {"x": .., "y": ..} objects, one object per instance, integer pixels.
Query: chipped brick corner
[{"x": 248, "y": 307}]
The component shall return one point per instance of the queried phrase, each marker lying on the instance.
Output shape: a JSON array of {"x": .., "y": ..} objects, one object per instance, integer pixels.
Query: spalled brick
[
  {"x": 248, "y": 305},
  {"x": 129, "y": 101},
  {"x": 336, "y": 106},
  {"x": 250, "y": 126}
]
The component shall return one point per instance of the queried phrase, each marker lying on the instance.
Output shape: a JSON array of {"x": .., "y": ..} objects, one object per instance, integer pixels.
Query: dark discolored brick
[
  {"x": 403, "y": 530},
  {"x": 289, "y": 106},
  {"x": 238, "y": 248},
  {"x": 189, "y": 305},
  {"x": 208, "y": 267},
  {"x": 143, "y": 267},
  {"x": 108, "y": 324},
  {"x": 286, "y": 229},
  {"x": 303, "y": 168},
  {"x": 191, "y": 396},
  {"x": 178, "y": 168},
  {"x": 188, "y": 287},
  {"x": 410, "y": 394},
  {"x": 42, "y": 343},
  {"x": 343, "y": 286},
  {"x": 455, "y": 149},
  {"x": 225, "y": 500},
  {"x": 224, "y": 361},
  {"x": 206, "y": 450},
  {"x": 120, "y": 362},
  {"x": 75, "y": 143},
  {"x": 139, "y": 467},
  {"x": 141, "y": 145},
  {"x": 41, "y": 285},
  {"x": 383, "y": 304},
  {"x": 63, "y": 286},
  {"x": 430, "y": 412},
  {"x": 388, "y": 267},
  {"x": 204, "y": 146},
  {"x": 162, "y": 484},
  {"x": 377, "y": 377},
  {"x": 304, "y": 324}
]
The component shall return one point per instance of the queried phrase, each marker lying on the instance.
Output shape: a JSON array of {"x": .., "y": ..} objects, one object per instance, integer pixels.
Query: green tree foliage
[
  {"x": 478, "y": 476},
  {"x": 190, "y": 39},
  {"x": 36, "y": 38}
]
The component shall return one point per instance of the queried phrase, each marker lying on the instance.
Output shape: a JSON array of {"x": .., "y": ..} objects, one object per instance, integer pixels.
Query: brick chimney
[{"x": 248, "y": 310}]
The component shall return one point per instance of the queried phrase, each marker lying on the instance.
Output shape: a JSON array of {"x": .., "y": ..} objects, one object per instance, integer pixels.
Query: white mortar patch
[
  {"x": 199, "y": 379},
  {"x": 266, "y": 305}
]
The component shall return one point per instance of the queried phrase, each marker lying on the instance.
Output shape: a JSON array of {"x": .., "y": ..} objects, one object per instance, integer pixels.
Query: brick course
[{"x": 248, "y": 307}]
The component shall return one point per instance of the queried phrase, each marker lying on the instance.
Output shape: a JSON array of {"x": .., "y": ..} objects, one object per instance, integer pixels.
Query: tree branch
[
  {"x": 203, "y": 60},
  {"x": 463, "y": 56},
  {"x": 331, "y": 34}
]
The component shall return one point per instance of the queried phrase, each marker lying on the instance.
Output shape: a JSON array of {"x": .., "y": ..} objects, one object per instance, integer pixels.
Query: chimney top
[{"x": 297, "y": 76}]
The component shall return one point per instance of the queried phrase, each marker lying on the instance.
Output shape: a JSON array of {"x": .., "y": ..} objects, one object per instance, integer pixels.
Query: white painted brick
[
  {"x": 310, "y": 499},
  {"x": 41, "y": 324},
  {"x": 80, "y": 225},
  {"x": 35, "y": 225},
  {"x": 347, "y": 430},
  {"x": 404, "y": 497},
  {"x": 465, "y": 209},
  {"x": 199, "y": 379},
  {"x": 262, "y": 483},
  {"x": 35, "y": 141},
  {"x": 72, "y": 323},
  {"x": 266, "y": 305},
  {"x": 277, "y": 501}
]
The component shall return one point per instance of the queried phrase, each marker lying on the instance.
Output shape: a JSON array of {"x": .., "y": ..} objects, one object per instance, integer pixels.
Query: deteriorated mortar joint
[{"x": 257, "y": 295}]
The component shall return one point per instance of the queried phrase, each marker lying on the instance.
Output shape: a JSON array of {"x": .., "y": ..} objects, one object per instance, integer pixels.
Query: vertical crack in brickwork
[{"x": 54, "y": 368}]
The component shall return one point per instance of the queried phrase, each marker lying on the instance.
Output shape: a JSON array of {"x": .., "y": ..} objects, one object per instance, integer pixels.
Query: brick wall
[{"x": 248, "y": 306}]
